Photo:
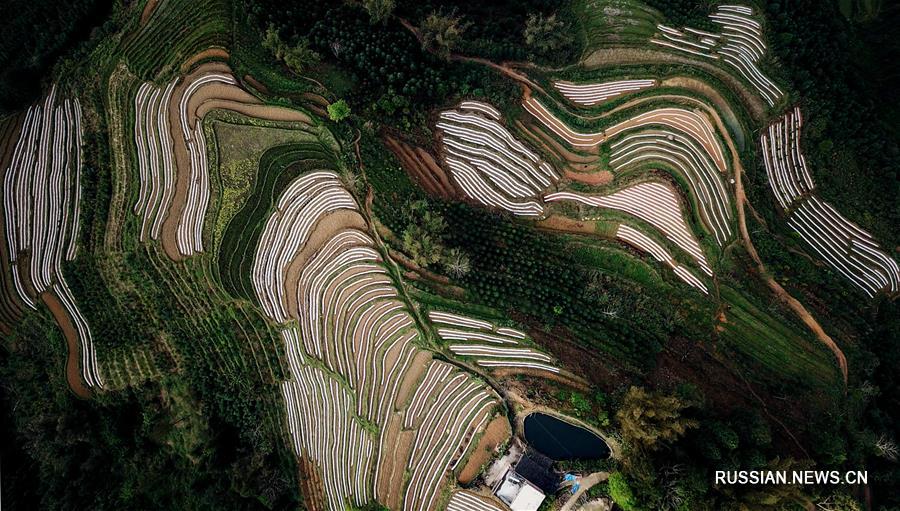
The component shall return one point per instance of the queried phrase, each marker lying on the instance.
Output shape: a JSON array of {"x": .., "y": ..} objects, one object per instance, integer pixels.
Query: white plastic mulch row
[
  {"x": 322, "y": 427},
  {"x": 491, "y": 346},
  {"x": 653, "y": 202},
  {"x": 462, "y": 500},
  {"x": 682, "y": 154},
  {"x": 459, "y": 410},
  {"x": 41, "y": 203},
  {"x": 484, "y": 108},
  {"x": 643, "y": 242},
  {"x": 740, "y": 45},
  {"x": 785, "y": 165},
  {"x": 297, "y": 211},
  {"x": 189, "y": 233},
  {"x": 589, "y": 94},
  {"x": 490, "y": 165},
  {"x": 156, "y": 156},
  {"x": 845, "y": 247},
  {"x": 348, "y": 354}
]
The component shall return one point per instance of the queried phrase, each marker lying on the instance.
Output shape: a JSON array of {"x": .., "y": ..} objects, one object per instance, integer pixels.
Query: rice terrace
[{"x": 441, "y": 255}]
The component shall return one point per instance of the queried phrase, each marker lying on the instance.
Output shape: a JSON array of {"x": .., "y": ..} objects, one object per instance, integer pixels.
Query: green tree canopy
[
  {"x": 442, "y": 32},
  {"x": 338, "y": 111},
  {"x": 649, "y": 419}
]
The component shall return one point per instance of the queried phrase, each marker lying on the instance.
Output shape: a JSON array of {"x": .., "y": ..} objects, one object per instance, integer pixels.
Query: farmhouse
[{"x": 523, "y": 488}]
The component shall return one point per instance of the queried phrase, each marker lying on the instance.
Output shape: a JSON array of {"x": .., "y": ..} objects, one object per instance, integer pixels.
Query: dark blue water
[{"x": 561, "y": 440}]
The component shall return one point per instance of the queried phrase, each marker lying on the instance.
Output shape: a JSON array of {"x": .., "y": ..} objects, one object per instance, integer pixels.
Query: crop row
[
  {"x": 42, "y": 195},
  {"x": 643, "y": 242},
  {"x": 463, "y": 500},
  {"x": 491, "y": 346},
  {"x": 740, "y": 45},
  {"x": 785, "y": 165},
  {"x": 686, "y": 157},
  {"x": 354, "y": 367},
  {"x": 460, "y": 408},
  {"x": 689, "y": 122},
  {"x": 653, "y": 202},
  {"x": 847, "y": 248},
  {"x": 320, "y": 419},
  {"x": 490, "y": 164},
  {"x": 156, "y": 156},
  {"x": 590, "y": 94},
  {"x": 297, "y": 211},
  {"x": 843, "y": 245}
]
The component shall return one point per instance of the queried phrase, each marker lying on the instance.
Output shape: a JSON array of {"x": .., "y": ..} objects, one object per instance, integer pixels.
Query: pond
[{"x": 562, "y": 440}]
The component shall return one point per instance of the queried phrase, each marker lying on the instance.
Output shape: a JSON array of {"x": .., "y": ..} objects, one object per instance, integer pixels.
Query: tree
[
  {"x": 442, "y": 32},
  {"x": 886, "y": 448},
  {"x": 457, "y": 263},
  {"x": 338, "y": 111},
  {"x": 545, "y": 34},
  {"x": 272, "y": 42},
  {"x": 299, "y": 57},
  {"x": 649, "y": 419},
  {"x": 379, "y": 10},
  {"x": 620, "y": 492}
]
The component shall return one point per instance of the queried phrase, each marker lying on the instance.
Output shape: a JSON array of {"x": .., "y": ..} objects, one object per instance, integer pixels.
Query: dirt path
[
  {"x": 73, "y": 370},
  {"x": 586, "y": 484},
  {"x": 502, "y": 67},
  {"x": 780, "y": 292},
  {"x": 496, "y": 432}
]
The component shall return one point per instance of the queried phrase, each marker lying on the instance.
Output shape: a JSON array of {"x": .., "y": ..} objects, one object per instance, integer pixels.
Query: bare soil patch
[
  {"x": 73, "y": 369},
  {"x": 421, "y": 167},
  {"x": 207, "y": 54},
  {"x": 496, "y": 432},
  {"x": 326, "y": 228},
  {"x": 602, "y": 177},
  {"x": 411, "y": 379},
  {"x": 311, "y": 485},
  {"x": 264, "y": 112},
  {"x": 565, "y": 377},
  {"x": 148, "y": 11},
  {"x": 566, "y": 224}
]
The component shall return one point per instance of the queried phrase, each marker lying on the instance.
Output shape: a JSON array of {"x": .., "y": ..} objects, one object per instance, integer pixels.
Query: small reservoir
[{"x": 562, "y": 440}]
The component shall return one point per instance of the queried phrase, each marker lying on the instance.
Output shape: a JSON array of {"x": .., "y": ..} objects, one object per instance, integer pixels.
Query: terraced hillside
[{"x": 381, "y": 255}]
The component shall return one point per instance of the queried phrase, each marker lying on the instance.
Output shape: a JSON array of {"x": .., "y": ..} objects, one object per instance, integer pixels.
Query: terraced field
[
  {"x": 304, "y": 255},
  {"x": 848, "y": 249},
  {"x": 41, "y": 209},
  {"x": 353, "y": 358}
]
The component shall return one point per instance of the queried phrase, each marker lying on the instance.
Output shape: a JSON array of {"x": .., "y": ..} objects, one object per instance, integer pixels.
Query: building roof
[
  {"x": 538, "y": 469},
  {"x": 519, "y": 494},
  {"x": 528, "y": 499}
]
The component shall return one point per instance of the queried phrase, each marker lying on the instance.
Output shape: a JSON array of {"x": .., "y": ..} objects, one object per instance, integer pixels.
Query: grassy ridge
[
  {"x": 176, "y": 30},
  {"x": 277, "y": 168}
]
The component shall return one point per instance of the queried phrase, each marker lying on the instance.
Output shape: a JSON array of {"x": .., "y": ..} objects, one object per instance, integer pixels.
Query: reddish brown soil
[
  {"x": 421, "y": 167},
  {"x": 148, "y": 11},
  {"x": 311, "y": 485},
  {"x": 603, "y": 177},
  {"x": 566, "y": 224},
  {"x": 207, "y": 54},
  {"x": 496, "y": 432},
  {"x": 73, "y": 369},
  {"x": 256, "y": 84}
]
